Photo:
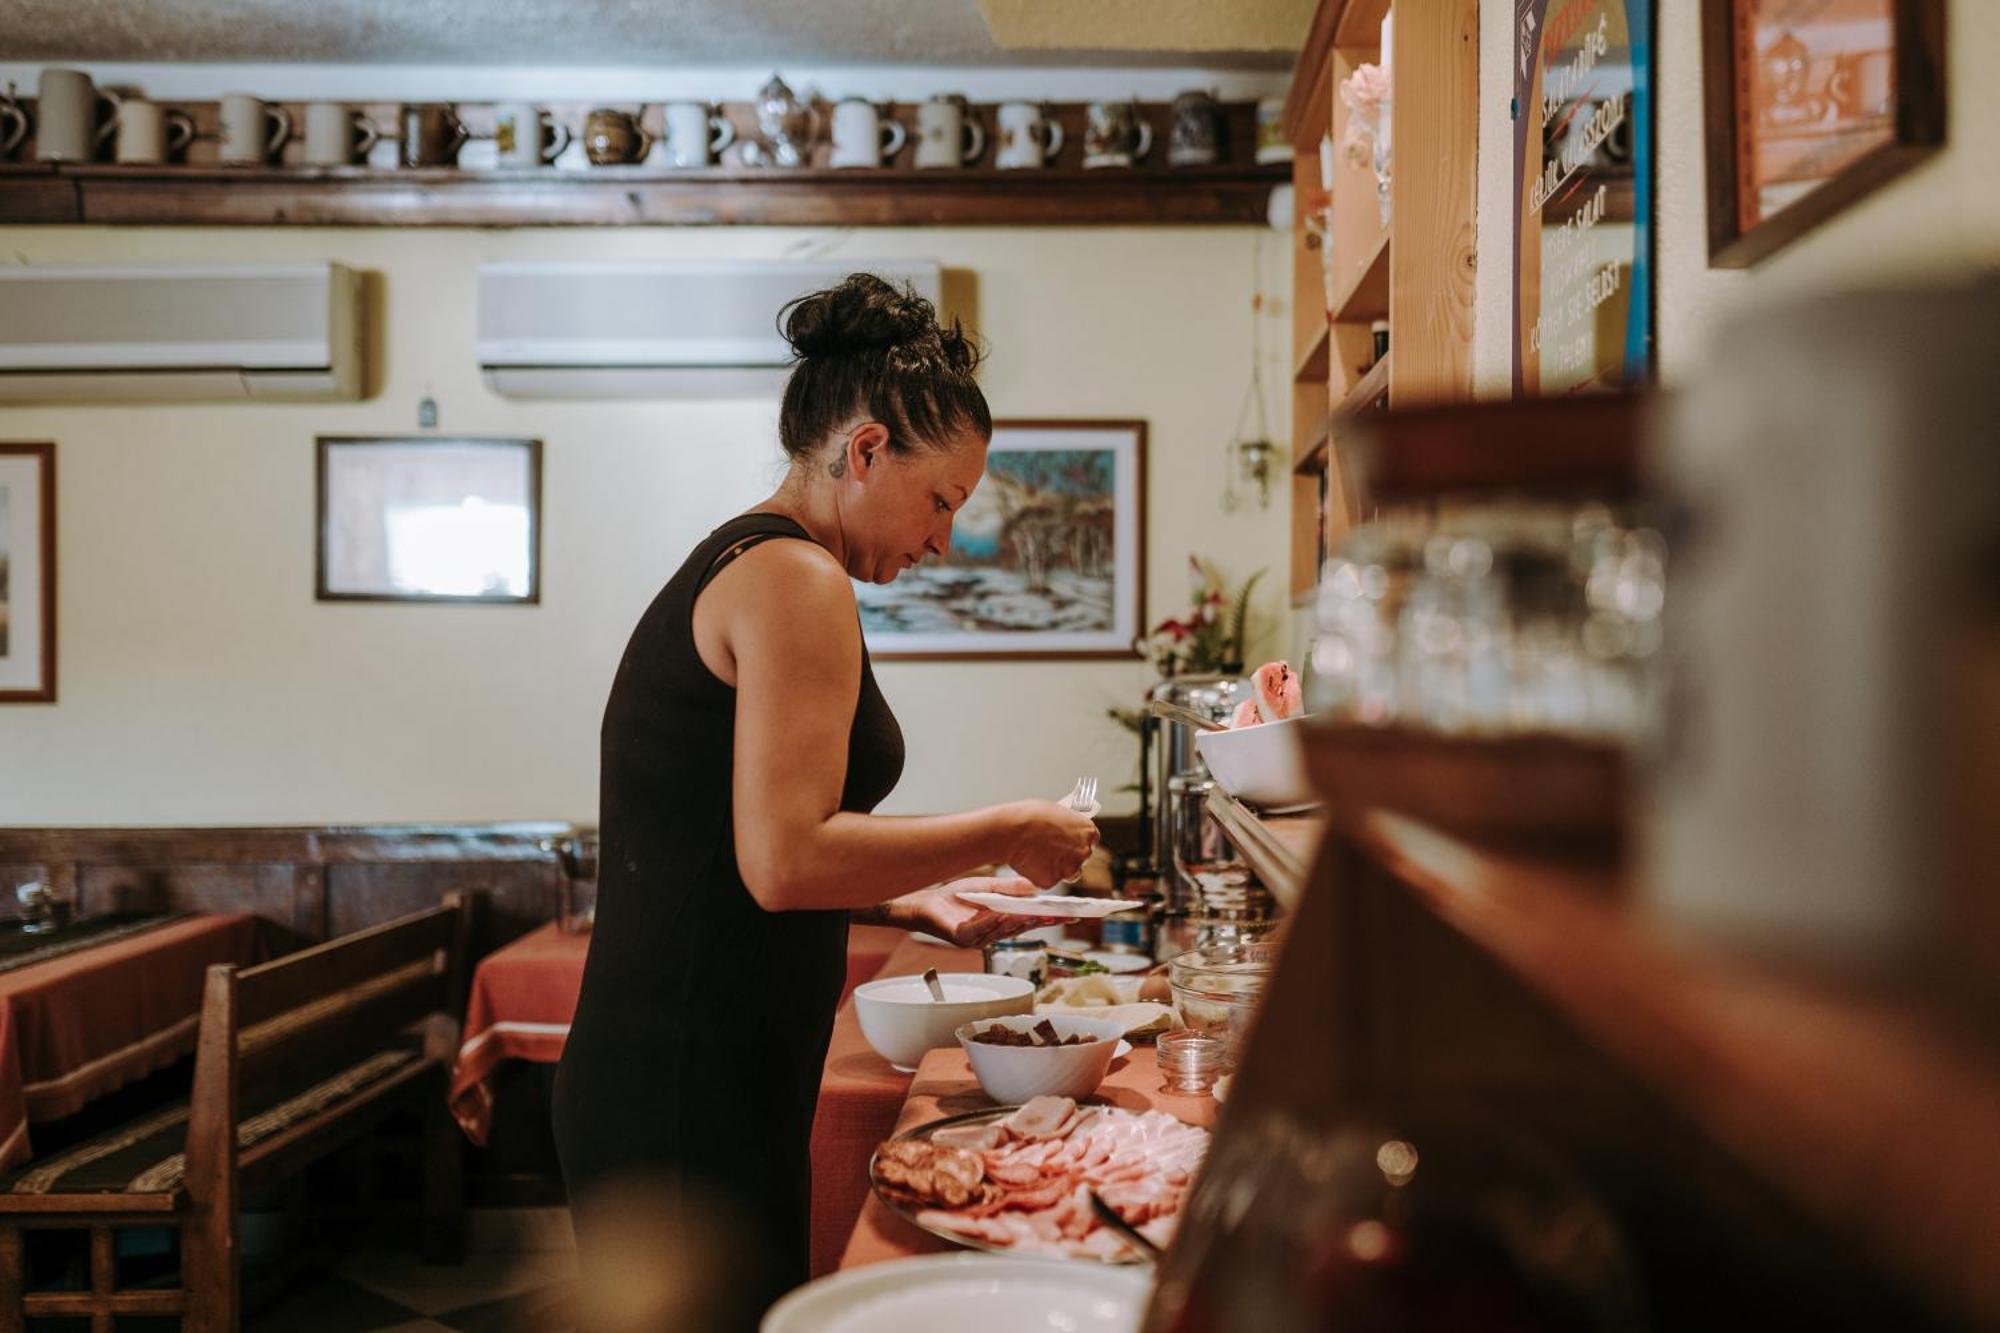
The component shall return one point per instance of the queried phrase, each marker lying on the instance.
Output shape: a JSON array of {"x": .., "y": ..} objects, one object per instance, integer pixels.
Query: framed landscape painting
[
  {"x": 1047, "y": 559},
  {"x": 27, "y": 573}
]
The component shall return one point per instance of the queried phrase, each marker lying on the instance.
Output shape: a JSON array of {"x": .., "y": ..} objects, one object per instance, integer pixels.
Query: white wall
[
  {"x": 199, "y": 682},
  {"x": 1941, "y": 219}
]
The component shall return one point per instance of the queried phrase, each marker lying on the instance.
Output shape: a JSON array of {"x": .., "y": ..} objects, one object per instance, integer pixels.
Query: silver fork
[{"x": 1082, "y": 796}]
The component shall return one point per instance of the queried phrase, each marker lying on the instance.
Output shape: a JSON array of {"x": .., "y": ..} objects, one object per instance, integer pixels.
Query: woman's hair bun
[{"x": 863, "y": 314}]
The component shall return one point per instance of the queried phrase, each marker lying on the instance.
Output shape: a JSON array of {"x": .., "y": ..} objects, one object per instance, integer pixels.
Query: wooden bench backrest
[{"x": 294, "y": 1015}]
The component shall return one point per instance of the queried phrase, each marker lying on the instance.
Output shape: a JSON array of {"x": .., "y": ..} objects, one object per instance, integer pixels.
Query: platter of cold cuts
[{"x": 1017, "y": 1180}]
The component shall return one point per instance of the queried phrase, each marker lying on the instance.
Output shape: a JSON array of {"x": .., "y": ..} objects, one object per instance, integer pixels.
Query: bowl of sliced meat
[{"x": 1025, "y": 1056}]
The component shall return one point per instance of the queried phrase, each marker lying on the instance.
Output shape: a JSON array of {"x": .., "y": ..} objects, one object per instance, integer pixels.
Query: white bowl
[
  {"x": 902, "y": 1021},
  {"x": 1263, "y": 765},
  {"x": 1011, "y": 1075}
]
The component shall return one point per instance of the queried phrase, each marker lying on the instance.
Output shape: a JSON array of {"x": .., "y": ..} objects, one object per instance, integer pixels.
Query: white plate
[
  {"x": 966, "y": 1293},
  {"x": 1113, "y": 961},
  {"x": 1050, "y": 904}
]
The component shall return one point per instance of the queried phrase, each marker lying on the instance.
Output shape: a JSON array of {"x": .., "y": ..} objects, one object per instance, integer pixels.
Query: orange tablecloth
[
  {"x": 524, "y": 996},
  {"x": 944, "y": 1086},
  {"x": 859, "y": 1096},
  {"x": 79, "y": 1026}
]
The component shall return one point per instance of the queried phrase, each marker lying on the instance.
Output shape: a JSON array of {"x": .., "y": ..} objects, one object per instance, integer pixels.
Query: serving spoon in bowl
[{"x": 936, "y": 986}]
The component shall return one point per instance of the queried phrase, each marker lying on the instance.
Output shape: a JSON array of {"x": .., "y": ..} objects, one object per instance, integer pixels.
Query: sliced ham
[
  {"x": 1041, "y": 1117},
  {"x": 974, "y": 1138}
]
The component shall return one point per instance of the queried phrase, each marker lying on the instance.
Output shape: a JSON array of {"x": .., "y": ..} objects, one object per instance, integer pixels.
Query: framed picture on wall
[
  {"x": 429, "y": 520},
  {"x": 1047, "y": 559},
  {"x": 27, "y": 573},
  {"x": 1812, "y": 105}
]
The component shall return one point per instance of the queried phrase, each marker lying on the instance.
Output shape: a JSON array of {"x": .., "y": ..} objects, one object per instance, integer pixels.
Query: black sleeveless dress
[{"x": 695, "y": 1056}]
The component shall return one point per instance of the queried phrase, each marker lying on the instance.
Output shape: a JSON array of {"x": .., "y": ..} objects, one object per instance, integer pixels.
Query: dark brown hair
[{"x": 869, "y": 347}]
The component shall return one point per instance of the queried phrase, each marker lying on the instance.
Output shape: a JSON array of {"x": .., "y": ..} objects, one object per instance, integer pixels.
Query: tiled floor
[{"x": 518, "y": 1278}]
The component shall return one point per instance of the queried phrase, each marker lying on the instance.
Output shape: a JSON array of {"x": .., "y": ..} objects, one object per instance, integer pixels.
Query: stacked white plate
[{"x": 967, "y": 1293}]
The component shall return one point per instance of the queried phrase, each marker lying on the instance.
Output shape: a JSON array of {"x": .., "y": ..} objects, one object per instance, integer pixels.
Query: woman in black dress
[{"x": 744, "y": 745}]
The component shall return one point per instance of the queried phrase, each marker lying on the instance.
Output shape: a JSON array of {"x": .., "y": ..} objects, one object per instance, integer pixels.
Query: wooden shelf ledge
[
  {"x": 1313, "y": 362},
  {"x": 1313, "y": 458},
  {"x": 1279, "y": 848},
  {"x": 1361, "y": 398},
  {"x": 1364, "y": 298},
  {"x": 1588, "y": 446},
  {"x": 639, "y": 195}
]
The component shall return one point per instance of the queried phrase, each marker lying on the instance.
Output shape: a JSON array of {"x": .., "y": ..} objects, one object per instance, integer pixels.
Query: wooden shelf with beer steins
[{"x": 202, "y": 191}]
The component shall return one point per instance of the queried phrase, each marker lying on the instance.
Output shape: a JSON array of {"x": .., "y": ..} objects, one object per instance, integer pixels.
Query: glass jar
[{"x": 1018, "y": 957}]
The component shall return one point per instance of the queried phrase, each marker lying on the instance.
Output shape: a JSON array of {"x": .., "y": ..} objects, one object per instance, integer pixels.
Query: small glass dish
[{"x": 1191, "y": 1061}]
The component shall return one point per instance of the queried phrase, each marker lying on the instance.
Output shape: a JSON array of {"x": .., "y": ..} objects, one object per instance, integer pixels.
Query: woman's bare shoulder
[{"x": 786, "y": 577}]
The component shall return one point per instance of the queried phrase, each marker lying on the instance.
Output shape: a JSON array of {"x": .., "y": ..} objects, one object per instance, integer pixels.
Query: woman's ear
[{"x": 867, "y": 445}]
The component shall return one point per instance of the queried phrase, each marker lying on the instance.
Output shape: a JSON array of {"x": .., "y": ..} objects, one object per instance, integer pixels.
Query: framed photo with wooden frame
[
  {"x": 27, "y": 573},
  {"x": 1047, "y": 558},
  {"x": 429, "y": 520},
  {"x": 1811, "y": 106}
]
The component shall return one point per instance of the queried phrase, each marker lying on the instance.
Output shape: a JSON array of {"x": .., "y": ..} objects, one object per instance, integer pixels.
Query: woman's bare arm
[{"x": 788, "y": 630}]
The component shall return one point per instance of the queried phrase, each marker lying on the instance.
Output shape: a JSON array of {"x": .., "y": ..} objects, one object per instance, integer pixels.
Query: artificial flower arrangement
[{"x": 1208, "y": 637}]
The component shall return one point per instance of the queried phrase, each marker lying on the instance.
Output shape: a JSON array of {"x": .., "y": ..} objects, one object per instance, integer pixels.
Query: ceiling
[{"x": 1232, "y": 34}]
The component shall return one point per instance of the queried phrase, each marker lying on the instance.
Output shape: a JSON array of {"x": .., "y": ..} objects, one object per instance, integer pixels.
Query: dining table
[
  {"x": 860, "y": 1096},
  {"x": 523, "y": 999},
  {"x": 100, "y": 1002}
]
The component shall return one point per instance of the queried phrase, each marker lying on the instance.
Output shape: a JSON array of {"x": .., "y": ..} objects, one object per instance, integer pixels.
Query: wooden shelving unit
[
  {"x": 1352, "y": 269},
  {"x": 202, "y": 192},
  {"x": 1364, "y": 297},
  {"x": 1365, "y": 393}
]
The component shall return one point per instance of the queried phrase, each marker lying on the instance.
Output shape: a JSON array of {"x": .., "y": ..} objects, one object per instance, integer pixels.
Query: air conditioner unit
[
  {"x": 155, "y": 333},
  {"x": 703, "y": 329}
]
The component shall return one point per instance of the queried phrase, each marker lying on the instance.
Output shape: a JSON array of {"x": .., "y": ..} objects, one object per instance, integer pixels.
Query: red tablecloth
[
  {"x": 524, "y": 996},
  {"x": 859, "y": 1096},
  {"x": 81, "y": 1025}
]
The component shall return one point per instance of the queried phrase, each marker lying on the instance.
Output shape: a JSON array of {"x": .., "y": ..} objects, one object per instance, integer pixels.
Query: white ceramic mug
[
  {"x": 150, "y": 133},
  {"x": 524, "y": 135},
  {"x": 862, "y": 136},
  {"x": 336, "y": 135},
  {"x": 1028, "y": 138},
  {"x": 696, "y": 134},
  {"x": 75, "y": 118},
  {"x": 947, "y": 133},
  {"x": 252, "y": 132}
]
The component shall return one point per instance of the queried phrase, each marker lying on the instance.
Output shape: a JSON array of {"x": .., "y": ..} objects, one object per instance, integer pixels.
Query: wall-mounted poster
[
  {"x": 429, "y": 520},
  {"x": 1811, "y": 104},
  {"x": 27, "y": 573},
  {"x": 1046, "y": 558},
  {"x": 1583, "y": 195}
]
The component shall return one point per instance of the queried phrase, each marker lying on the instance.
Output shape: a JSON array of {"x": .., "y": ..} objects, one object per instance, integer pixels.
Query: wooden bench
[{"x": 294, "y": 1058}]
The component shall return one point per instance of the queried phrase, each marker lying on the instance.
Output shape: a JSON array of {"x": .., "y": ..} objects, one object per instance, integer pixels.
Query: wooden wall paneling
[
  {"x": 1434, "y": 188},
  {"x": 184, "y": 887},
  {"x": 515, "y": 897},
  {"x": 309, "y": 916}
]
